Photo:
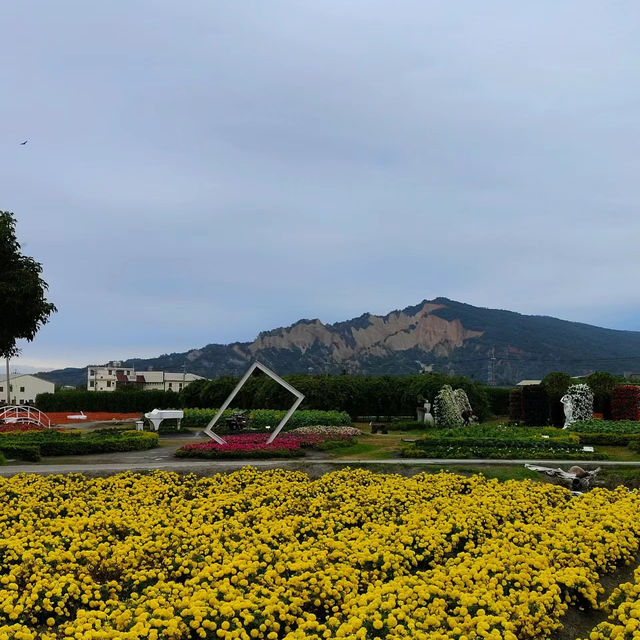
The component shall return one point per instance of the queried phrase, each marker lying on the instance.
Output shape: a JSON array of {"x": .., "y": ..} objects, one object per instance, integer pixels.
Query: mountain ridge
[{"x": 439, "y": 334}]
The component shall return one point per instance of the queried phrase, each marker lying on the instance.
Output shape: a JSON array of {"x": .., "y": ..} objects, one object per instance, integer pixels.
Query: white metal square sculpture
[{"x": 256, "y": 365}]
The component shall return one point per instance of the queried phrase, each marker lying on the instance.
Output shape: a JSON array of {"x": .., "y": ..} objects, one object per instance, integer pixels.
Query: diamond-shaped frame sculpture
[{"x": 256, "y": 365}]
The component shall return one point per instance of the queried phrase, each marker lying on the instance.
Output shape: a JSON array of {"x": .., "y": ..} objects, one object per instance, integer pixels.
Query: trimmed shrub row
[
  {"x": 113, "y": 401},
  {"x": 33, "y": 444},
  {"x": 230, "y": 454},
  {"x": 606, "y": 426},
  {"x": 356, "y": 395},
  {"x": 269, "y": 417},
  {"x": 505, "y": 451}
]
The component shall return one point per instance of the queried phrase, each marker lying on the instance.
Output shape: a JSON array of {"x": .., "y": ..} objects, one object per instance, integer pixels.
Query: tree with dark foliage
[{"x": 23, "y": 305}]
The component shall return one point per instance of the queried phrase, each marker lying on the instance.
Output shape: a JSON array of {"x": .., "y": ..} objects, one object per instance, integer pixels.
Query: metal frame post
[{"x": 256, "y": 365}]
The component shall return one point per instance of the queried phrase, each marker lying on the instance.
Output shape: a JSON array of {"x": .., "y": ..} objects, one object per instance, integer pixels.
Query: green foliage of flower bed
[
  {"x": 31, "y": 445},
  {"x": 231, "y": 454},
  {"x": 3, "y": 460},
  {"x": 610, "y": 439},
  {"x": 504, "y": 432},
  {"x": 500, "y": 441},
  {"x": 268, "y": 417},
  {"x": 496, "y": 449},
  {"x": 606, "y": 426}
]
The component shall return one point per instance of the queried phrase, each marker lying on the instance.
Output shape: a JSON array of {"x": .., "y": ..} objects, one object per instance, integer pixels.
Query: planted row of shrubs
[
  {"x": 356, "y": 395},
  {"x": 269, "y": 417},
  {"x": 31, "y": 445},
  {"x": 497, "y": 448},
  {"x": 111, "y": 401}
]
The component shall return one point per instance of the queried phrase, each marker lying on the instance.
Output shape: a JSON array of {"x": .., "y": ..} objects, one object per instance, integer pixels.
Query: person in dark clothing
[{"x": 467, "y": 414}]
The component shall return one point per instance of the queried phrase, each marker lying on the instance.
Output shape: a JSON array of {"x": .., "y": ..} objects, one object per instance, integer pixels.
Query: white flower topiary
[
  {"x": 446, "y": 410},
  {"x": 462, "y": 400},
  {"x": 581, "y": 401}
]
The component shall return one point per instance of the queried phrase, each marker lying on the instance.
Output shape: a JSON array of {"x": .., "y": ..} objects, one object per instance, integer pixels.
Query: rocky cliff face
[
  {"x": 372, "y": 336},
  {"x": 439, "y": 335}
]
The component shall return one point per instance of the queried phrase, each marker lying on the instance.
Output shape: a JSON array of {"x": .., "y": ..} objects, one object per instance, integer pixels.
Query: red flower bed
[
  {"x": 255, "y": 446},
  {"x": 17, "y": 427},
  {"x": 61, "y": 417},
  {"x": 625, "y": 403}
]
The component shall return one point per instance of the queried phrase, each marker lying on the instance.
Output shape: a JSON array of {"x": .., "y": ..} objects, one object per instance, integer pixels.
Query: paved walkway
[{"x": 205, "y": 467}]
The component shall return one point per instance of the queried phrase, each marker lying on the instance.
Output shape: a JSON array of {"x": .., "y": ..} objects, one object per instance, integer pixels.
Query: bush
[
  {"x": 515, "y": 406},
  {"x": 535, "y": 405},
  {"x": 497, "y": 448},
  {"x": 606, "y": 426},
  {"x": 581, "y": 401},
  {"x": 357, "y": 395},
  {"x": 602, "y": 384},
  {"x": 625, "y": 403},
  {"x": 445, "y": 408},
  {"x": 60, "y": 443},
  {"x": 499, "y": 400},
  {"x": 30, "y": 453},
  {"x": 462, "y": 401},
  {"x": 268, "y": 417},
  {"x": 610, "y": 439},
  {"x": 111, "y": 401}
]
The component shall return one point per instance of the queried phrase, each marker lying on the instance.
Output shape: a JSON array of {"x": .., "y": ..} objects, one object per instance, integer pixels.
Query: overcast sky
[{"x": 197, "y": 172}]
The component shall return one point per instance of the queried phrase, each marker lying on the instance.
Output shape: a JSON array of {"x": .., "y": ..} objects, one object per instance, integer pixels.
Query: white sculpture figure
[
  {"x": 428, "y": 418},
  {"x": 568, "y": 410}
]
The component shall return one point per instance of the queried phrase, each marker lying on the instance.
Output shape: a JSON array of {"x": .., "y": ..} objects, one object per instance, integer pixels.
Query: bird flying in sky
[{"x": 25, "y": 142}]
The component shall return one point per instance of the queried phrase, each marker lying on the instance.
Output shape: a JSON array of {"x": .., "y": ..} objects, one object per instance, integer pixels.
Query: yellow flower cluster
[
  {"x": 624, "y": 608},
  {"x": 277, "y": 555}
]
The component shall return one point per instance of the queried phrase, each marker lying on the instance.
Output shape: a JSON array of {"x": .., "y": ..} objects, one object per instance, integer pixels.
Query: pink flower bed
[
  {"x": 255, "y": 445},
  {"x": 251, "y": 442},
  {"x": 21, "y": 428}
]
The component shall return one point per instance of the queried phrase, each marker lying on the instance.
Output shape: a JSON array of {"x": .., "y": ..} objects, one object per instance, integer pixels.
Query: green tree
[
  {"x": 24, "y": 308},
  {"x": 602, "y": 384}
]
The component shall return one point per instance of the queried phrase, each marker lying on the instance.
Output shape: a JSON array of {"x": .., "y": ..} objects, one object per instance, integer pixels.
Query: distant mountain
[{"x": 440, "y": 335}]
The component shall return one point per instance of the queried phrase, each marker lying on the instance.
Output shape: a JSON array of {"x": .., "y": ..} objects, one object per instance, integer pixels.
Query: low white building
[
  {"x": 23, "y": 388},
  {"x": 110, "y": 376}
]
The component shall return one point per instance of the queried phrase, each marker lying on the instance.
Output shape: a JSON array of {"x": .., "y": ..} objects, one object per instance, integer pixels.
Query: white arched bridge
[{"x": 14, "y": 414}]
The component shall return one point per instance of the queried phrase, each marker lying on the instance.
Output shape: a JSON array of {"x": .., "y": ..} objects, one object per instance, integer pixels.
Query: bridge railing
[{"x": 16, "y": 414}]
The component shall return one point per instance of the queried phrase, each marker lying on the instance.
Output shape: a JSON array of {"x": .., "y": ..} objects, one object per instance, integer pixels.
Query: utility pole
[
  {"x": 492, "y": 368},
  {"x": 8, "y": 384}
]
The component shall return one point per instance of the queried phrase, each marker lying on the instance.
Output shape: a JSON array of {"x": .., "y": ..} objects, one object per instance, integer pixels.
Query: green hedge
[
  {"x": 2, "y": 459},
  {"x": 30, "y": 453},
  {"x": 504, "y": 432},
  {"x": 357, "y": 395},
  {"x": 230, "y": 454},
  {"x": 611, "y": 439},
  {"x": 114, "y": 401},
  {"x": 268, "y": 417},
  {"x": 61, "y": 443},
  {"x": 498, "y": 398},
  {"x": 606, "y": 426},
  {"x": 498, "y": 449}
]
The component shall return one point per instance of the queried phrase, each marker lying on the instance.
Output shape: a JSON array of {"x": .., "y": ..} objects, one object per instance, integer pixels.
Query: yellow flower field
[
  {"x": 624, "y": 608},
  {"x": 276, "y": 555}
]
